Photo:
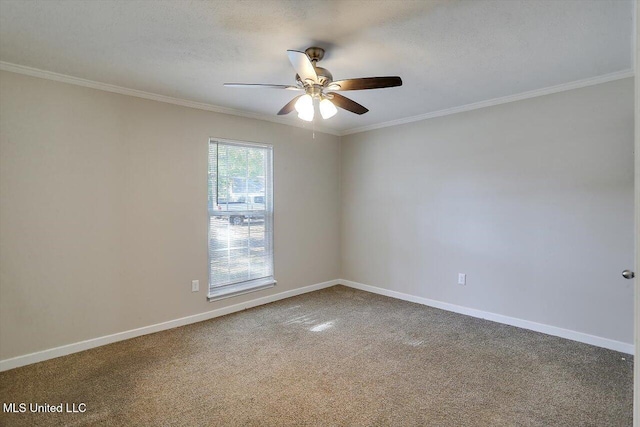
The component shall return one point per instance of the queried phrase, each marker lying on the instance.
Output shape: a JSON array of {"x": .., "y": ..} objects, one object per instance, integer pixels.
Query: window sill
[{"x": 241, "y": 289}]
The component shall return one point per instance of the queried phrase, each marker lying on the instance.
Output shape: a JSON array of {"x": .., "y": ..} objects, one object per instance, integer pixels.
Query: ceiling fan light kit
[
  {"x": 304, "y": 107},
  {"x": 327, "y": 109},
  {"x": 319, "y": 87}
]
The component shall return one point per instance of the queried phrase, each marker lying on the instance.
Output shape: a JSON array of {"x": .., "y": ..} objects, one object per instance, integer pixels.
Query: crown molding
[
  {"x": 497, "y": 101},
  {"x": 50, "y": 75}
]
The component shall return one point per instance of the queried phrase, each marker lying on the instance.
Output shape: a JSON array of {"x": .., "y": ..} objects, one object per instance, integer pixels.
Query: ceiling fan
[{"x": 319, "y": 87}]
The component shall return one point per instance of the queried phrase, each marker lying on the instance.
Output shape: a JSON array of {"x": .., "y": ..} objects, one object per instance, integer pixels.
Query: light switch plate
[{"x": 195, "y": 285}]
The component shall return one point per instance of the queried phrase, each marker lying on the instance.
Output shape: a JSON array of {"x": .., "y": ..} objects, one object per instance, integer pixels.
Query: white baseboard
[
  {"x": 64, "y": 350},
  {"x": 520, "y": 323}
]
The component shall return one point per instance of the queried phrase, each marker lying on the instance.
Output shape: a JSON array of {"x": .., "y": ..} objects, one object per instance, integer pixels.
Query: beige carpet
[{"x": 333, "y": 357}]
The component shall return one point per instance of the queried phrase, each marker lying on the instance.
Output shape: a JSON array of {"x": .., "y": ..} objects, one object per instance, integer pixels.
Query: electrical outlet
[
  {"x": 462, "y": 279},
  {"x": 195, "y": 285}
]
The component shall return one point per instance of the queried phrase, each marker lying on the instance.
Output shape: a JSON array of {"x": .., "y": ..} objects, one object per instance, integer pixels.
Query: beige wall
[
  {"x": 533, "y": 200},
  {"x": 103, "y": 211}
]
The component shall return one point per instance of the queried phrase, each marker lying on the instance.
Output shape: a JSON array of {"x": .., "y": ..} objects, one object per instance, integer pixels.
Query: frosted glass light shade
[
  {"x": 327, "y": 109},
  {"x": 304, "y": 107},
  {"x": 304, "y": 104},
  {"x": 306, "y": 115}
]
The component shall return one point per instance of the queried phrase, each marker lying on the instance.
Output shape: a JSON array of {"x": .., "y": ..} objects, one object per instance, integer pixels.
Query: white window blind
[{"x": 240, "y": 218}]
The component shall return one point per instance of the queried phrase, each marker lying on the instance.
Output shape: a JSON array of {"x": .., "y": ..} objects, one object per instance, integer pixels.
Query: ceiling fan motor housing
[
  {"x": 324, "y": 76},
  {"x": 315, "y": 53}
]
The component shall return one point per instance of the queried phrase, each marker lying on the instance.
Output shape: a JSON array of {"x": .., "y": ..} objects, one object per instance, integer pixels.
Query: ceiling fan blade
[
  {"x": 289, "y": 107},
  {"x": 303, "y": 65},
  {"x": 366, "y": 83},
  {"x": 261, "y": 86},
  {"x": 348, "y": 104}
]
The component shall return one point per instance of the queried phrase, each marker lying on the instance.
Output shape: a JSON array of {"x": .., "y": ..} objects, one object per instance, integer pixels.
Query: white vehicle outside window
[{"x": 240, "y": 218}]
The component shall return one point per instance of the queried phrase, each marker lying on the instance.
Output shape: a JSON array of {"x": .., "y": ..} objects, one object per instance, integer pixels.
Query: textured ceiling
[{"x": 448, "y": 53}]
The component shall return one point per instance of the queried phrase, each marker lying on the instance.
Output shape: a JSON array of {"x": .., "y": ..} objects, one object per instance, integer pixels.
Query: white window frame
[{"x": 218, "y": 292}]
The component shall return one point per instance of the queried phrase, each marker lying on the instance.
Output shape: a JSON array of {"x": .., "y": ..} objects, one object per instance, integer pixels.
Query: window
[{"x": 240, "y": 218}]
